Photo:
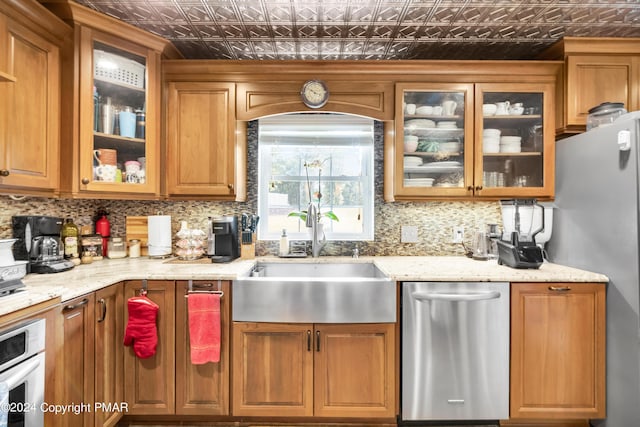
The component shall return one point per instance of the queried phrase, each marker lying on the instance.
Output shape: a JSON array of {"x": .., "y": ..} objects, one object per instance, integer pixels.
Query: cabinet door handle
[
  {"x": 4, "y": 172},
  {"x": 317, "y": 340},
  {"x": 478, "y": 187},
  {"x": 230, "y": 186},
  {"x": 470, "y": 188},
  {"x": 74, "y": 306},
  {"x": 85, "y": 181},
  {"x": 308, "y": 340},
  {"x": 560, "y": 288},
  {"x": 103, "y": 316}
]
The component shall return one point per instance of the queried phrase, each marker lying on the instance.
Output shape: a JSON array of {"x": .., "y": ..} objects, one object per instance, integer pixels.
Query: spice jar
[{"x": 134, "y": 248}]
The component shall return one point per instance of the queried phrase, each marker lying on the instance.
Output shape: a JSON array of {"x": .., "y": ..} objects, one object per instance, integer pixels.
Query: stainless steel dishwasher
[{"x": 455, "y": 351}]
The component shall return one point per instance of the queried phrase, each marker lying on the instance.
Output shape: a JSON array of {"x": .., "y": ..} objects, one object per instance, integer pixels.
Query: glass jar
[
  {"x": 116, "y": 248},
  {"x": 604, "y": 114}
]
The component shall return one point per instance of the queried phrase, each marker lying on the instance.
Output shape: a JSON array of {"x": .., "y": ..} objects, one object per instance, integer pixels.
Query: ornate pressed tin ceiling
[{"x": 373, "y": 29}]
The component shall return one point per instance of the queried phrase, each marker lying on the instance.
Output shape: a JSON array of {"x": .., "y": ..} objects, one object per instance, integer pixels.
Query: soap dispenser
[{"x": 284, "y": 243}]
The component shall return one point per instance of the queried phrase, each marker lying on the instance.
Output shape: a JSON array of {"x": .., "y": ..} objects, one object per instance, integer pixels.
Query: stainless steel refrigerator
[{"x": 596, "y": 226}]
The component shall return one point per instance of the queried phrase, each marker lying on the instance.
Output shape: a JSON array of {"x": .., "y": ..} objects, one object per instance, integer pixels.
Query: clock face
[{"x": 314, "y": 94}]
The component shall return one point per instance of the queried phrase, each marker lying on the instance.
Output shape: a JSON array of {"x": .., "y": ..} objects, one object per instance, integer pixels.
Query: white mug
[
  {"x": 105, "y": 173},
  {"x": 502, "y": 108},
  {"x": 410, "y": 109},
  {"x": 449, "y": 108}
]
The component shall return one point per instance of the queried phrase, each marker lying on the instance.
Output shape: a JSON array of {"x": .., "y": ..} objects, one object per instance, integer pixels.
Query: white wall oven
[{"x": 22, "y": 374}]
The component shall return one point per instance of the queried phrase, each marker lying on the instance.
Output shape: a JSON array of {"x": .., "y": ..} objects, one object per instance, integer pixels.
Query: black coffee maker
[
  {"x": 223, "y": 243},
  {"x": 39, "y": 243}
]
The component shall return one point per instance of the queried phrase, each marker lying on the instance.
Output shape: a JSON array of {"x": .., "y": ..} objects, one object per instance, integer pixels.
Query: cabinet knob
[
  {"x": 478, "y": 187},
  {"x": 85, "y": 181},
  {"x": 230, "y": 186},
  {"x": 4, "y": 172},
  {"x": 470, "y": 188}
]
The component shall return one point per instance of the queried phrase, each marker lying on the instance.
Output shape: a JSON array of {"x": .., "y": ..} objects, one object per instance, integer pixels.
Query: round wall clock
[{"x": 314, "y": 93}]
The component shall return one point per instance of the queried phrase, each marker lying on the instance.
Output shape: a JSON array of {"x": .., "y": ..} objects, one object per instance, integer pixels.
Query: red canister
[{"x": 103, "y": 228}]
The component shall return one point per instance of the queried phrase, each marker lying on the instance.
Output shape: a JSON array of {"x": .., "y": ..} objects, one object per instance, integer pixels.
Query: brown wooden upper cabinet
[
  {"x": 201, "y": 140},
  {"x": 111, "y": 107},
  {"x": 474, "y": 140},
  {"x": 596, "y": 70},
  {"x": 30, "y": 41}
]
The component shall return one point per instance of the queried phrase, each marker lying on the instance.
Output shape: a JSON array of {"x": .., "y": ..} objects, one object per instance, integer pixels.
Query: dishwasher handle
[{"x": 446, "y": 296}]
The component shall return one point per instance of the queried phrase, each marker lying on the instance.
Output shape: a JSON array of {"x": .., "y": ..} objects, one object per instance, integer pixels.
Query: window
[{"x": 303, "y": 155}]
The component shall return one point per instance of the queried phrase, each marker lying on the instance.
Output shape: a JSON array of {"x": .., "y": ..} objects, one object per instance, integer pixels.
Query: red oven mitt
[{"x": 141, "y": 326}]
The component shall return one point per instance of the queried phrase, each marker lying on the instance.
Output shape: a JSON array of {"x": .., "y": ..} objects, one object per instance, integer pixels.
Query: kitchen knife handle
[
  {"x": 560, "y": 288},
  {"x": 103, "y": 303}
]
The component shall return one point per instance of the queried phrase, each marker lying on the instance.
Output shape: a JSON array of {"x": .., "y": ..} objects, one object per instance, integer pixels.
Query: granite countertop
[{"x": 88, "y": 278}]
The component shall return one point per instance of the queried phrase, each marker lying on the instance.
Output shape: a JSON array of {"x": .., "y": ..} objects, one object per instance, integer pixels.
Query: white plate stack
[
  {"x": 510, "y": 144},
  {"x": 491, "y": 140},
  {"x": 418, "y": 182},
  {"x": 412, "y": 161}
]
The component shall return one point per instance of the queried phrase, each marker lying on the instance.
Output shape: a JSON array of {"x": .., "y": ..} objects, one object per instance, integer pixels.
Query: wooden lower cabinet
[
  {"x": 557, "y": 351},
  {"x": 168, "y": 383},
  {"x": 338, "y": 371},
  {"x": 77, "y": 360},
  {"x": 109, "y": 355},
  {"x": 92, "y": 359},
  {"x": 201, "y": 389},
  {"x": 354, "y": 370},
  {"x": 149, "y": 384}
]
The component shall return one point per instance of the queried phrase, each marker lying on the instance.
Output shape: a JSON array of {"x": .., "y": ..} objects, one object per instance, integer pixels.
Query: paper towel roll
[{"x": 159, "y": 235}]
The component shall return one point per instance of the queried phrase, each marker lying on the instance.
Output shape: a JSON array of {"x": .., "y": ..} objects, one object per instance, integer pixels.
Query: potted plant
[{"x": 317, "y": 196}]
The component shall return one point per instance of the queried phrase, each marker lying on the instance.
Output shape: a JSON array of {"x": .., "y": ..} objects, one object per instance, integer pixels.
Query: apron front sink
[{"x": 303, "y": 292}]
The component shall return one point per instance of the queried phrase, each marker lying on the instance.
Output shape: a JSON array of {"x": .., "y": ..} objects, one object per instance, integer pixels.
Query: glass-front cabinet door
[
  {"x": 434, "y": 140},
  {"x": 514, "y": 140},
  {"x": 118, "y": 140}
]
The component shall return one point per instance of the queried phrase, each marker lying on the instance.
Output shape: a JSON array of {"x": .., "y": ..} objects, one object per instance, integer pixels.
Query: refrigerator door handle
[{"x": 444, "y": 296}]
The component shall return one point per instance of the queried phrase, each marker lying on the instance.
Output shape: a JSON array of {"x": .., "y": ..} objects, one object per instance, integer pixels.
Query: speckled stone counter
[{"x": 88, "y": 278}]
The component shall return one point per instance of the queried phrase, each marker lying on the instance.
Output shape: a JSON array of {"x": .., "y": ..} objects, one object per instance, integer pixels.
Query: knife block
[{"x": 248, "y": 245}]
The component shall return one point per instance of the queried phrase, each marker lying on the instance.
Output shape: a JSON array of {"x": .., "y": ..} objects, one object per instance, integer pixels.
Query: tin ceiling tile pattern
[{"x": 372, "y": 29}]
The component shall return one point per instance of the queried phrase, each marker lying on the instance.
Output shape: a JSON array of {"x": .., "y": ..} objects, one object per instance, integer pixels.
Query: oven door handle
[
  {"x": 23, "y": 372},
  {"x": 445, "y": 296}
]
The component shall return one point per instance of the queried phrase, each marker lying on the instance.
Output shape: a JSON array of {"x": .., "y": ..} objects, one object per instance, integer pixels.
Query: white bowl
[
  {"x": 510, "y": 148},
  {"x": 6, "y": 254},
  {"x": 410, "y": 143},
  {"x": 489, "y": 109},
  {"x": 491, "y": 133},
  {"x": 449, "y": 147},
  {"x": 447, "y": 125},
  {"x": 490, "y": 147},
  {"x": 424, "y": 110},
  {"x": 510, "y": 139}
]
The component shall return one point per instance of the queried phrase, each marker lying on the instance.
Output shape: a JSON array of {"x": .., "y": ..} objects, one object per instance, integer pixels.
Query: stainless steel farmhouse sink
[{"x": 314, "y": 292}]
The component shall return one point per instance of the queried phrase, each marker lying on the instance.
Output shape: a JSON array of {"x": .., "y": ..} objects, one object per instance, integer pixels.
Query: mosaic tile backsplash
[{"x": 433, "y": 219}]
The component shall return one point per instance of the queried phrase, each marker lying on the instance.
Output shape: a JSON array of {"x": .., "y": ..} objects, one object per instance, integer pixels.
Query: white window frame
[{"x": 313, "y": 128}]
